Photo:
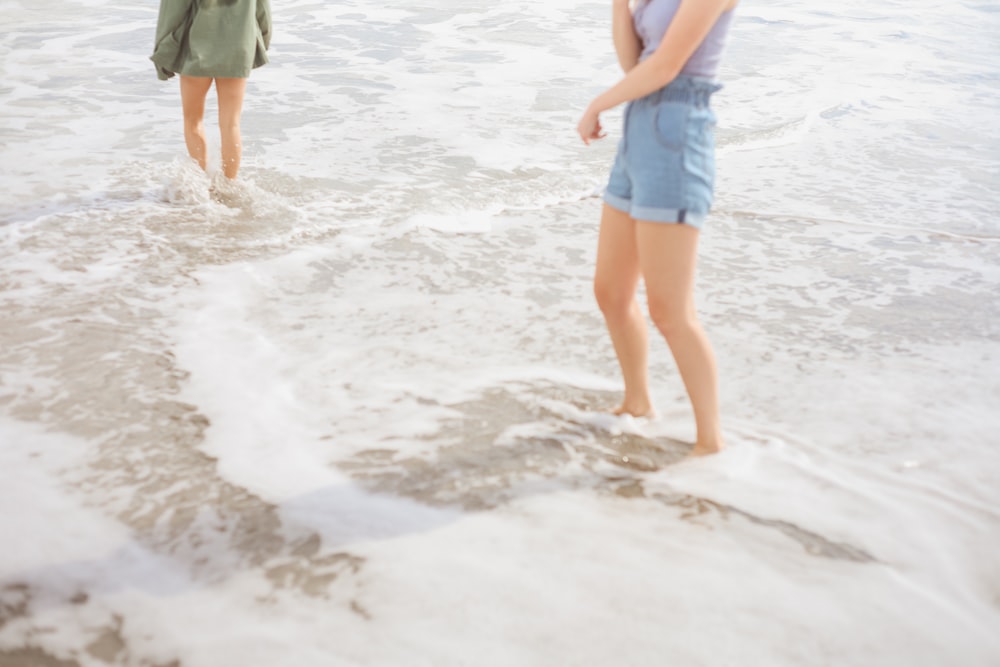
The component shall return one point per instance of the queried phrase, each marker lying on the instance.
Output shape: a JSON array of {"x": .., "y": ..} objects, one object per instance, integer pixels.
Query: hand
[{"x": 589, "y": 126}]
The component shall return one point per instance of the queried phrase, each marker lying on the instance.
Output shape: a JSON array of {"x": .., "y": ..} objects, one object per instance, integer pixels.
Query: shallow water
[{"x": 353, "y": 405}]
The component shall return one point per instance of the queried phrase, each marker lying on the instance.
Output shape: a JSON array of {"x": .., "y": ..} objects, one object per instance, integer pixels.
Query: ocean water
[{"x": 351, "y": 411}]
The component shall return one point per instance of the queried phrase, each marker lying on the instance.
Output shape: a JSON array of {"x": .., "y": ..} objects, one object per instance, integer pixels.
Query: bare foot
[
  {"x": 644, "y": 410},
  {"x": 706, "y": 449}
]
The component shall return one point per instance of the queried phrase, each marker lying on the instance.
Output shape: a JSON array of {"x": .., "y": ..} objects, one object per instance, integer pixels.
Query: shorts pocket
[
  {"x": 699, "y": 151},
  {"x": 670, "y": 124}
]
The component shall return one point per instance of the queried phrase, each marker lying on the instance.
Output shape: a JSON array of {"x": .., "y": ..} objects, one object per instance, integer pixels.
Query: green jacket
[{"x": 215, "y": 38}]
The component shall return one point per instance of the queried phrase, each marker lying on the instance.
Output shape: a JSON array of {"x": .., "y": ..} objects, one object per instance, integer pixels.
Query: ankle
[
  {"x": 636, "y": 407},
  {"x": 710, "y": 444}
]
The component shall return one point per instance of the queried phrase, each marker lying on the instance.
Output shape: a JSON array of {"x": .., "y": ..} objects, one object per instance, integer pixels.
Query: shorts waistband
[{"x": 694, "y": 90}]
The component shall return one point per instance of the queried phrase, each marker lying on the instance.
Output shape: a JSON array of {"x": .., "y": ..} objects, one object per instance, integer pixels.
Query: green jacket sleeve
[
  {"x": 166, "y": 52},
  {"x": 264, "y": 21}
]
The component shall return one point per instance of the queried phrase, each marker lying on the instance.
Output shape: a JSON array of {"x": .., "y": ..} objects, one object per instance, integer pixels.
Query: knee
[
  {"x": 194, "y": 123},
  {"x": 671, "y": 318},
  {"x": 613, "y": 299}
]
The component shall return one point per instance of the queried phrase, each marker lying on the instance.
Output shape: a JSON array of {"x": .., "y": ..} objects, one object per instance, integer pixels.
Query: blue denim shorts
[{"x": 665, "y": 167}]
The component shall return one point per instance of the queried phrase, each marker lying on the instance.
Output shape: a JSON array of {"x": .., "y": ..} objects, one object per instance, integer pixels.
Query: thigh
[
  {"x": 230, "y": 92},
  {"x": 193, "y": 92},
  {"x": 668, "y": 255},
  {"x": 617, "y": 253}
]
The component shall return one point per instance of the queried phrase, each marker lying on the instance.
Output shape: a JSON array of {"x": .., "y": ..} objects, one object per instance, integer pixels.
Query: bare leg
[
  {"x": 667, "y": 256},
  {"x": 193, "y": 92},
  {"x": 230, "y": 93},
  {"x": 615, "y": 281}
]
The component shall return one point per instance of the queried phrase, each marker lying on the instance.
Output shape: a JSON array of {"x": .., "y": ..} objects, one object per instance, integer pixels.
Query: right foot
[
  {"x": 634, "y": 410},
  {"x": 707, "y": 448},
  {"x": 700, "y": 451}
]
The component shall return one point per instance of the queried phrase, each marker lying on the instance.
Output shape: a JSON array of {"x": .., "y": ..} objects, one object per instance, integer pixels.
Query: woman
[
  {"x": 206, "y": 40},
  {"x": 659, "y": 191}
]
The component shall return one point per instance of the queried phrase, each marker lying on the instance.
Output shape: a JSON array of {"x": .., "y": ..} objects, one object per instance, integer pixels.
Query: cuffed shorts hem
[{"x": 650, "y": 214}]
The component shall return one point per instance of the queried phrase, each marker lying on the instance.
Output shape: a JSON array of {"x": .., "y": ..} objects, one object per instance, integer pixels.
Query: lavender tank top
[{"x": 653, "y": 17}]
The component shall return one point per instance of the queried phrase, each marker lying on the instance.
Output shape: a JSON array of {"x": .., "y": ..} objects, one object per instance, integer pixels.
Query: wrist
[{"x": 597, "y": 106}]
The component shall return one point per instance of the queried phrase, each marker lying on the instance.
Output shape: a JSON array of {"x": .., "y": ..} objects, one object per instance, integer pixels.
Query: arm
[
  {"x": 690, "y": 26},
  {"x": 264, "y": 21},
  {"x": 627, "y": 43},
  {"x": 172, "y": 15}
]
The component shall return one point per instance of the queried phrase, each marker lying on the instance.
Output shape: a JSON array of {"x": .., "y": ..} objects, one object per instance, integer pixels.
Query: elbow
[{"x": 665, "y": 69}]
